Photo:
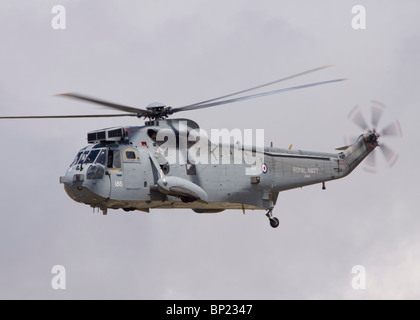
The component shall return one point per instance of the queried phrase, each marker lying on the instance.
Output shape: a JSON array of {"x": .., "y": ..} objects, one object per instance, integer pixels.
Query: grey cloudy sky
[{"x": 180, "y": 52}]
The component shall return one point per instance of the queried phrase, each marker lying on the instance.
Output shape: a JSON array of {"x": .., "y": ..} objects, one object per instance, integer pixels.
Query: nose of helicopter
[{"x": 89, "y": 186}]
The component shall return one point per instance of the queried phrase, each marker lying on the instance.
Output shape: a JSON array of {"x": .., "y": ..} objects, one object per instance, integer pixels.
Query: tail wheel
[{"x": 274, "y": 222}]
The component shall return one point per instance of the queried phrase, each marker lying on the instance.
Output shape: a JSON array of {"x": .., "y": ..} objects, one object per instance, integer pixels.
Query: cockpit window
[
  {"x": 101, "y": 157},
  {"x": 83, "y": 157},
  {"x": 92, "y": 156},
  {"x": 99, "y": 154},
  {"x": 76, "y": 159}
]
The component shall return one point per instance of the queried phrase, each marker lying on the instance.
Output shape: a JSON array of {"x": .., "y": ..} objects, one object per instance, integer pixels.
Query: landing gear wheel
[{"x": 274, "y": 222}]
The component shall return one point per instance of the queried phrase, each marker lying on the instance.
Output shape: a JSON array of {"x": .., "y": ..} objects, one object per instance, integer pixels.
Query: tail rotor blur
[{"x": 391, "y": 130}]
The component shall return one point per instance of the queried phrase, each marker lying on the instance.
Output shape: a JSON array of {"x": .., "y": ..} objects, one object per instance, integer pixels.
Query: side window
[
  {"x": 130, "y": 155},
  {"x": 114, "y": 159},
  {"x": 110, "y": 159},
  {"x": 117, "y": 159}
]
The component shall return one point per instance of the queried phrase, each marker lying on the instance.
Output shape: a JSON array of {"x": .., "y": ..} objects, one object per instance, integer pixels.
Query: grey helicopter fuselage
[
  {"x": 123, "y": 168},
  {"x": 134, "y": 168}
]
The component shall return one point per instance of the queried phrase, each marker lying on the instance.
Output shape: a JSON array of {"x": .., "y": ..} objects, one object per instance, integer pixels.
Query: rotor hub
[
  {"x": 373, "y": 136},
  {"x": 158, "y": 110},
  {"x": 156, "y": 105}
]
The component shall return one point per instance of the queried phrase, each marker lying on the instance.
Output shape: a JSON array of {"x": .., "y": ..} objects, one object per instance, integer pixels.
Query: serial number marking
[
  {"x": 305, "y": 170},
  {"x": 118, "y": 184}
]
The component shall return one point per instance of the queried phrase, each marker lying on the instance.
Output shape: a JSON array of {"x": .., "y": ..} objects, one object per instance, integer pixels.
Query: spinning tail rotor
[{"x": 392, "y": 130}]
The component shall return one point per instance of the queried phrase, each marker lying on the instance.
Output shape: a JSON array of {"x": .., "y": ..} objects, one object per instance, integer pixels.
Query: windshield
[
  {"x": 76, "y": 159},
  {"x": 89, "y": 156},
  {"x": 92, "y": 156},
  {"x": 83, "y": 157},
  {"x": 99, "y": 155}
]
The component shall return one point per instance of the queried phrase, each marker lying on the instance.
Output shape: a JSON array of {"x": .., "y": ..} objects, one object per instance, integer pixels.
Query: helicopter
[{"x": 129, "y": 167}]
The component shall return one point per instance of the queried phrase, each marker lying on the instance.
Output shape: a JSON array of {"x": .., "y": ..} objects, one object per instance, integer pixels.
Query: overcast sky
[{"x": 184, "y": 51}]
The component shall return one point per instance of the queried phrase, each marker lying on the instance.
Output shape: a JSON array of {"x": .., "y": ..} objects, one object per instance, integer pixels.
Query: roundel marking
[{"x": 264, "y": 168}]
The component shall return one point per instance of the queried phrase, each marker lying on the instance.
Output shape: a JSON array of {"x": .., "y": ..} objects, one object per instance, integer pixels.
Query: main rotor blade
[
  {"x": 260, "y": 86},
  {"x": 254, "y": 96},
  {"x": 107, "y": 104},
  {"x": 72, "y": 116}
]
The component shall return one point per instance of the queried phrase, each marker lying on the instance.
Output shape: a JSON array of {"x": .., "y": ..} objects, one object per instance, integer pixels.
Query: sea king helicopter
[{"x": 129, "y": 167}]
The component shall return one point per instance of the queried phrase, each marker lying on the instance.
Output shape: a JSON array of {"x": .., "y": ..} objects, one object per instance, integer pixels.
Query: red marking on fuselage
[{"x": 130, "y": 131}]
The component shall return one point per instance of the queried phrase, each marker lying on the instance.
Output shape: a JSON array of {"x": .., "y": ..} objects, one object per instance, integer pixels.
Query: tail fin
[{"x": 351, "y": 156}]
